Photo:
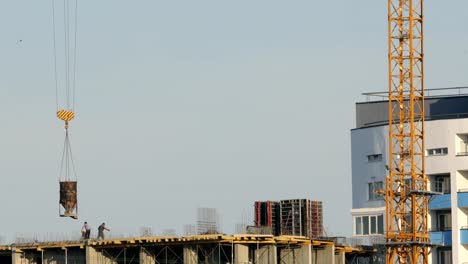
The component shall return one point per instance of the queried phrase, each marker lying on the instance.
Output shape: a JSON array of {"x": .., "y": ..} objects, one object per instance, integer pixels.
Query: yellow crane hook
[{"x": 66, "y": 116}]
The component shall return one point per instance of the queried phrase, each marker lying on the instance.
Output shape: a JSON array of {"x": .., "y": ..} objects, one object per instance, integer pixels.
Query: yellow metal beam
[{"x": 176, "y": 241}]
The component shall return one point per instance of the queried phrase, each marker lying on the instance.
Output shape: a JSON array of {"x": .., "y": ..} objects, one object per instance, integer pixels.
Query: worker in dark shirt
[{"x": 101, "y": 229}]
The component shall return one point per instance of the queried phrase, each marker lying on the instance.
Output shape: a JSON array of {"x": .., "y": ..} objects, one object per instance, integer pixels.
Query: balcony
[
  {"x": 464, "y": 235},
  {"x": 462, "y": 198},
  {"x": 442, "y": 238},
  {"x": 440, "y": 202}
]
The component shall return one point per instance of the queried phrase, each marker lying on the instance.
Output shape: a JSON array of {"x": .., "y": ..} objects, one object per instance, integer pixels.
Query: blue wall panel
[{"x": 439, "y": 202}]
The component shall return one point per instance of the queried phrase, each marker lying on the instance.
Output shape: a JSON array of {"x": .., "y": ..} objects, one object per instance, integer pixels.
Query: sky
[{"x": 181, "y": 105}]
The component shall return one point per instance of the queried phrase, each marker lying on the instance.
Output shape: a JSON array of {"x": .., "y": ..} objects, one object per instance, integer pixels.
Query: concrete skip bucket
[{"x": 68, "y": 199}]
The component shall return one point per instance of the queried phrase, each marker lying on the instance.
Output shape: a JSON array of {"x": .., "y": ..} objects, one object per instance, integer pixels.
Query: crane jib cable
[{"x": 64, "y": 33}]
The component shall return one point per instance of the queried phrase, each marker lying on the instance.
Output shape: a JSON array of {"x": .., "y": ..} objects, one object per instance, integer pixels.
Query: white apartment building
[{"x": 446, "y": 143}]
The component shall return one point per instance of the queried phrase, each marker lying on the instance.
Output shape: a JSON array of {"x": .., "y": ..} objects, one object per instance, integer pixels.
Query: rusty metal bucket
[{"x": 68, "y": 199}]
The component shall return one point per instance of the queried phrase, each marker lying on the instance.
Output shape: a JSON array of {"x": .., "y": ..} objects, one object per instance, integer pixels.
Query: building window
[
  {"x": 442, "y": 184},
  {"x": 380, "y": 227},
  {"x": 368, "y": 225},
  {"x": 365, "y": 225},
  {"x": 374, "y": 157},
  {"x": 462, "y": 146},
  {"x": 444, "y": 220},
  {"x": 373, "y": 187},
  {"x": 445, "y": 256},
  {"x": 358, "y": 228},
  {"x": 373, "y": 224},
  {"x": 437, "y": 152}
]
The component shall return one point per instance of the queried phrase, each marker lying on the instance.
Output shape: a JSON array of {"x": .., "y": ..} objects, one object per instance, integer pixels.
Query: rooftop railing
[{"x": 434, "y": 92}]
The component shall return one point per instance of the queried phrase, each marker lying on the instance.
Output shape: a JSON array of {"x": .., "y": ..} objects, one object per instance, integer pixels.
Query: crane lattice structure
[{"x": 407, "y": 237}]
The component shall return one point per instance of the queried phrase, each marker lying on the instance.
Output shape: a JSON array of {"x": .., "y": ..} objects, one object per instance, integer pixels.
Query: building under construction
[
  {"x": 267, "y": 216},
  {"x": 297, "y": 217},
  {"x": 206, "y": 249},
  {"x": 207, "y": 221}
]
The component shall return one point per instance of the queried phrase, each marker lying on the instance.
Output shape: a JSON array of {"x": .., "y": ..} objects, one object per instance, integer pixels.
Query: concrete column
[
  {"x": 297, "y": 254},
  {"x": 340, "y": 258},
  {"x": 91, "y": 255},
  {"x": 324, "y": 255},
  {"x": 95, "y": 257},
  {"x": 241, "y": 254},
  {"x": 146, "y": 257},
  {"x": 190, "y": 254},
  {"x": 266, "y": 254},
  {"x": 304, "y": 254},
  {"x": 18, "y": 257}
]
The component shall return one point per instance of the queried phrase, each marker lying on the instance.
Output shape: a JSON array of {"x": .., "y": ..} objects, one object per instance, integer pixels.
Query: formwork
[
  {"x": 301, "y": 217},
  {"x": 206, "y": 249},
  {"x": 267, "y": 214}
]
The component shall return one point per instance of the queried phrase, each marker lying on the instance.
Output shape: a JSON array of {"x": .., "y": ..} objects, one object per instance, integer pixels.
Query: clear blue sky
[{"x": 198, "y": 103}]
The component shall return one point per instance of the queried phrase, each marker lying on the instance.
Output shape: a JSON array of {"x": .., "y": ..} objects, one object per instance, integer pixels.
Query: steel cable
[{"x": 55, "y": 56}]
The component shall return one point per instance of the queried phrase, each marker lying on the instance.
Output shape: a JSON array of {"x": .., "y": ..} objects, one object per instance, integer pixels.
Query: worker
[
  {"x": 88, "y": 230},
  {"x": 83, "y": 231},
  {"x": 101, "y": 229}
]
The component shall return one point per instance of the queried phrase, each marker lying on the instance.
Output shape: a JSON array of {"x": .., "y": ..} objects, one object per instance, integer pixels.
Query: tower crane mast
[{"x": 406, "y": 194}]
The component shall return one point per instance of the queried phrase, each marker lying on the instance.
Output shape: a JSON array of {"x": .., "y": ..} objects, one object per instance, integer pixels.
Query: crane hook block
[{"x": 65, "y": 115}]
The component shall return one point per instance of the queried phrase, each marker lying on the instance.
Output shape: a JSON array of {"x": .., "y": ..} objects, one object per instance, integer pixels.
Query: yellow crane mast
[{"x": 407, "y": 237}]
